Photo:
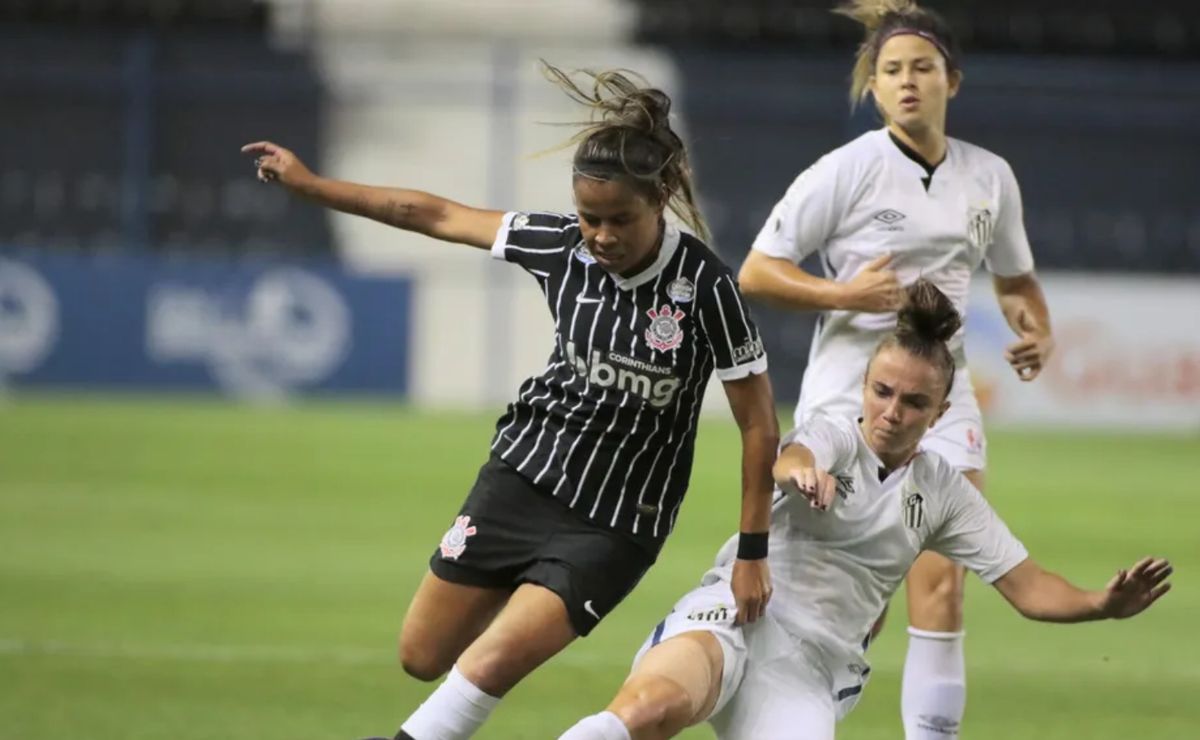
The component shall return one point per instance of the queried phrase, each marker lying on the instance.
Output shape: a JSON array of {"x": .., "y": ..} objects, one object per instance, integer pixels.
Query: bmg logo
[{"x": 289, "y": 328}]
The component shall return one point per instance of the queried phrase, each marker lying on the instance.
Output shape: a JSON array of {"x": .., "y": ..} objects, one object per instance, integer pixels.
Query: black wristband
[{"x": 752, "y": 545}]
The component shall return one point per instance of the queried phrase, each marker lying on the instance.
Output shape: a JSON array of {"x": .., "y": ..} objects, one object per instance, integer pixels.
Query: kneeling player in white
[{"x": 858, "y": 500}]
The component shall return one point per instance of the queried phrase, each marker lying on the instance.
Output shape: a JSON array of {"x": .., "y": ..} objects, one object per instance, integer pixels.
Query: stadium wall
[
  {"x": 1127, "y": 355},
  {"x": 259, "y": 330}
]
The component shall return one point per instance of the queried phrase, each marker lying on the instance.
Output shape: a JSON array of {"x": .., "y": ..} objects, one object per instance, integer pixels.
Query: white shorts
[
  {"x": 836, "y": 389},
  {"x": 772, "y": 686}
]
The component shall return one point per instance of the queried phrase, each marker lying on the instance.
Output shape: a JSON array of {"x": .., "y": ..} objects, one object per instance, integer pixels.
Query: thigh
[
  {"x": 443, "y": 619},
  {"x": 675, "y": 684},
  {"x": 710, "y": 610},
  {"x": 531, "y": 628},
  {"x": 474, "y": 570},
  {"x": 781, "y": 699}
]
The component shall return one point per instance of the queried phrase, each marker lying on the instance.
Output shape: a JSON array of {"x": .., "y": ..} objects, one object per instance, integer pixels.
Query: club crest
[
  {"x": 664, "y": 332},
  {"x": 980, "y": 226},
  {"x": 454, "y": 542},
  {"x": 914, "y": 510}
]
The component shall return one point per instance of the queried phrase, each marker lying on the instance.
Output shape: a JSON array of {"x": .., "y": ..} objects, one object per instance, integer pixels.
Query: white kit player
[
  {"x": 898, "y": 203},
  {"x": 859, "y": 497}
]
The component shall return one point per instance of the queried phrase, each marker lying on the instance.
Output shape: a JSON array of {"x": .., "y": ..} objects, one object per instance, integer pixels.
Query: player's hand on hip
[
  {"x": 814, "y": 484},
  {"x": 751, "y": 589},
  {"x": 1132, "y": 591},
  {"x": 273, "y": 163},
  {"x": 875, "y": 289},
  {"x": 1028, "y": 355}
]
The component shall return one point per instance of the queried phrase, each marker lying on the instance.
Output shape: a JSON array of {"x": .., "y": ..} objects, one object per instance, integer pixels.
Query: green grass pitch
[{"x": 193, "y": 570}]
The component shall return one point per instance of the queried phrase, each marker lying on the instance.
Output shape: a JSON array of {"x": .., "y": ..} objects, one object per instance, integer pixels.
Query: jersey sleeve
[
  {"x": 736, "y": 345},
  {"x": 1009, "y": 253},
  {"x": 810, "y": 211},
  {"x": 538, "y": 242},
  {"x": 973, "y": 535},
  {"x": 832, "y": 441}
]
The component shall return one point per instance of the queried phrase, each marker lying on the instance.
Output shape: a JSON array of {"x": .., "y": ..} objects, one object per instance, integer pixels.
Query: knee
[
  {"x": 421, "y": 661},
  {"x": 494, "y": 672},
  {"x": 653, "y": 703}
]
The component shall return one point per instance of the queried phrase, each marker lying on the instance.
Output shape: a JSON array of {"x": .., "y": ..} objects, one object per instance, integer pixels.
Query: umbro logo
[
  {"x": 890, "y": 218},
  {"x": 845, "y": 485}
]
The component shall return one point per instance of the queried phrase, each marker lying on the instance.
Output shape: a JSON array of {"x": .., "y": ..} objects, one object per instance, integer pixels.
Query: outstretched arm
[
  {"x": 1048, "y": 597},
  {"x": 411, "y": 210}
]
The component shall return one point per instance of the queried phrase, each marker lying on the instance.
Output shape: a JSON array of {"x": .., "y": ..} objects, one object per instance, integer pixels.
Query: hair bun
[
  {"x": 871, "y": 13},
  {"x": 643, "y": 109},
  {"x": 928, "y": 314}
]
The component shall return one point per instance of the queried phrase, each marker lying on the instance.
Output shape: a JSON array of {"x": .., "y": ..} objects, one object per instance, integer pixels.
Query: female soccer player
[
  {"x": 858, "y": 500},
  {"x": 897, "y": 203},
  {"x": 590, "y": 463}
]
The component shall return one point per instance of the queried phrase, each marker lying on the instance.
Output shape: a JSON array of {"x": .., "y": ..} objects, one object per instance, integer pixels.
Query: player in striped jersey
[
  {"x": 859, "y": 499},
  {"x": 900, "y": 202},
  {"x": 590, "y": 464}
]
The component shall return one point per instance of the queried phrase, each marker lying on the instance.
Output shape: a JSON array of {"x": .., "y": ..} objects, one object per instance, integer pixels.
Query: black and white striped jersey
[{"x": 609, "y": 426}]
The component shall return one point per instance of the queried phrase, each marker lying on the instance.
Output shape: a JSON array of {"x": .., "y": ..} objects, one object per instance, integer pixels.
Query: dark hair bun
[
  {"x": 928, "y": 314},
  {"x": 644, "y": 109}
]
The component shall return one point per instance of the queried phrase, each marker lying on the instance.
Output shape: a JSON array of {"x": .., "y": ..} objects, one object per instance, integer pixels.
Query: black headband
[{"x": 912, "y": 31}]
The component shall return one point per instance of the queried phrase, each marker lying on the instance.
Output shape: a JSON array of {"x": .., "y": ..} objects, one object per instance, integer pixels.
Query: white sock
[
  {"x": 454, "y": 711},
  {"x": 603, "y": 726},
  {"x": 934, "y": 693}
]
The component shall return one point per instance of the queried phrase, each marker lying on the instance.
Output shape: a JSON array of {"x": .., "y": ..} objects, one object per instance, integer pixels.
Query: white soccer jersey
[
  {"x": 834, "y": 571},
  {"x": 869, "y": 198}
]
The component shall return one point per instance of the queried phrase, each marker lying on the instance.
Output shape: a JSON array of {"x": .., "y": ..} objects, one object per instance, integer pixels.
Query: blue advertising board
[{"x": 262, "y": 328}]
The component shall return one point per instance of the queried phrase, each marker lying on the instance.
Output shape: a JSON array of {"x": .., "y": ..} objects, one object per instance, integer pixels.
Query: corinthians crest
[
  {"x": 454, "y": 542},
  {"x": 664, "y": 332}
]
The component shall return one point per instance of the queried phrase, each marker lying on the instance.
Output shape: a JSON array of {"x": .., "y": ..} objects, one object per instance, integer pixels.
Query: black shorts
[{"x": 508, "y": 532}]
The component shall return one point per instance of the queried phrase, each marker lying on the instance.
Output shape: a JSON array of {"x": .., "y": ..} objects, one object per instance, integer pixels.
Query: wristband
[{"x": 752, "y": 545}]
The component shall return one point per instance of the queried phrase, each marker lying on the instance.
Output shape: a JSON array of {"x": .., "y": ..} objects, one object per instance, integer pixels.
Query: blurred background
[{"x": 183, "y": 555}]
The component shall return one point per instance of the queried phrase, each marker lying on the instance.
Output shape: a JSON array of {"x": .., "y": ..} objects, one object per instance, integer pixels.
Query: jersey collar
[
  {"x": 911, "y": 159},
  {"x": 670, "y": 243}
]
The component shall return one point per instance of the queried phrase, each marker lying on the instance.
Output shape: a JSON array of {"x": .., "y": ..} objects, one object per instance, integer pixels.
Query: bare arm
[
  {"x": 1048, "y": 597},
  {"x": 1024, "y": 307},
  {"x": 780, "y": 281},
  {"x": 411, "y": 210},
  {"x": 753, "y": 407}
]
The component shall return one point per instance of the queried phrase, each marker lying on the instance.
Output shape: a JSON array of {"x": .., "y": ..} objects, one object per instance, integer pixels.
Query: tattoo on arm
[{"x": 399, "y": 213}]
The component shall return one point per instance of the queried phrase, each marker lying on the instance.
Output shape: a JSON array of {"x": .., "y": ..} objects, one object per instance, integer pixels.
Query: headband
[
  {"x": 910, "y": 31},
  {"x": 609, "y": 171}
]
